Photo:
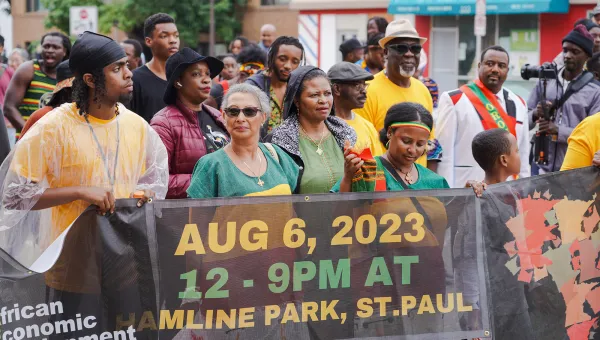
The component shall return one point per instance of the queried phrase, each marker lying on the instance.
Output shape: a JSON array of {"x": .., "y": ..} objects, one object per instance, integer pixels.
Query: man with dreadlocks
[
  {"x": 89, "y": 152},
  {"x": 285, "y": 55},
  {"x": 86, "y": 153}
]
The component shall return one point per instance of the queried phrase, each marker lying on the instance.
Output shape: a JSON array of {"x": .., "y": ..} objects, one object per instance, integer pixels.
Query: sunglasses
[
  {"x": 404, "y": 48},
  {"x": 248, "y": 111}
]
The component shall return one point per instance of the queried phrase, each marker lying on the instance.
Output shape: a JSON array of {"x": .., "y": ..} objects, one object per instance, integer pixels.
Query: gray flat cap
[{"x": 346, "y": 72}]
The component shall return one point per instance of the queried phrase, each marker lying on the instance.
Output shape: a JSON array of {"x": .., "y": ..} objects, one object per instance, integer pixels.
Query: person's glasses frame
[{"x": 248, "y": 111}]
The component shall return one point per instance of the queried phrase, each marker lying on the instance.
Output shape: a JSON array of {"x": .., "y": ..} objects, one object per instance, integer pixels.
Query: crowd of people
[{"x": 95, "y": 124}]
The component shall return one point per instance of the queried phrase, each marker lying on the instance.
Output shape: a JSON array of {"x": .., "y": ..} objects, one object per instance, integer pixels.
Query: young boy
[{"x": 497, "y": 153}]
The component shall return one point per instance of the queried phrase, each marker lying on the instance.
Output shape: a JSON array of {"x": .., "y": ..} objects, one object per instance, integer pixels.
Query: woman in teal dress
[
  {"x": 406, "y": 131},
  {"x": 244, "y": 167}
]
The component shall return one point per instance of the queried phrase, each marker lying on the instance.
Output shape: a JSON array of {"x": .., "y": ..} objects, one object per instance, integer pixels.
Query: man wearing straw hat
[{"x": 395, "y": 84}]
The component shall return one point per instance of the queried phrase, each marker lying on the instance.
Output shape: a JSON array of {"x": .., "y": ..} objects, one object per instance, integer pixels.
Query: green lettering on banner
[
  {"x": 378, "y": 273},
  {"x": 284, "y": 278},
  {"x": 303, "y": 271},
  {"x": 406, "y": 261},
  {"x": 330, "y": 277}
]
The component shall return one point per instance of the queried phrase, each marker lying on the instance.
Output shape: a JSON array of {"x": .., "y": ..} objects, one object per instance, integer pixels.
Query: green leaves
[{"x": 192, "y": 16}]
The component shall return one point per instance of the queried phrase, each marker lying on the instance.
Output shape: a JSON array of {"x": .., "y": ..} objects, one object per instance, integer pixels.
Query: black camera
[{"x": 546, "y": 71}]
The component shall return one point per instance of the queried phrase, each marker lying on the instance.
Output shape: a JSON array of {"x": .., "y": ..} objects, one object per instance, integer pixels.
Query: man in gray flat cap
[{"x": 350, "y": 92}]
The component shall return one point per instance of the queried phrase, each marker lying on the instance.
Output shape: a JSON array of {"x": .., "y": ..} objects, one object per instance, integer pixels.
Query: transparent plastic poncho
[{"x": 60, "y": 150}]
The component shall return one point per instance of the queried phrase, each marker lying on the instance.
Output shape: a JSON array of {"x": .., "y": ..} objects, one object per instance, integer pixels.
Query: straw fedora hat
[{"x": 400, "y": 29}]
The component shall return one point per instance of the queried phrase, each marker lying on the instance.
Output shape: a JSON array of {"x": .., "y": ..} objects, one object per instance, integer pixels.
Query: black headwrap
[{"x": 94, "y": 51}]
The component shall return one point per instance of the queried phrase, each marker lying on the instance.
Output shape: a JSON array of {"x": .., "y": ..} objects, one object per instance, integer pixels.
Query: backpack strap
[{"x": 272, "y": 151}]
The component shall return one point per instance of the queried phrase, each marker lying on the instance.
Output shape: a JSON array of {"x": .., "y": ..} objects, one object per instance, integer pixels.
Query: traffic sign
[
  {"x": 480, "y": 25},
  {"x": 83, "y": 18}
]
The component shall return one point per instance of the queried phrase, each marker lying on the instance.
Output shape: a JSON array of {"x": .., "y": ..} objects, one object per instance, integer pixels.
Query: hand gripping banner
[{"x": 519, "y": 263}]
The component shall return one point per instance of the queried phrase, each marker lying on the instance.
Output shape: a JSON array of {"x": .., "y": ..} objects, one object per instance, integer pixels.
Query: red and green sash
[{"x": 491, "y": 112}]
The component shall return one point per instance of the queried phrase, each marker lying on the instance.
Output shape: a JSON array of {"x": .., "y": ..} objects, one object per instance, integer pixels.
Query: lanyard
[{"x": 111, "y": 180}]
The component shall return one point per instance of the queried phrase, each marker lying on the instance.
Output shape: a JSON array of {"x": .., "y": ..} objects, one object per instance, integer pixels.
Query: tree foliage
[{"x": 192, "y": 16}]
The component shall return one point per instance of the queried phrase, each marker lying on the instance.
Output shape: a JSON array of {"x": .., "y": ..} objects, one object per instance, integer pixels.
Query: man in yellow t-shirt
[
  {"x": 349, "y": 93},
  {"x": 402, "y": 47},
  {"x": 584, "y": 143}
]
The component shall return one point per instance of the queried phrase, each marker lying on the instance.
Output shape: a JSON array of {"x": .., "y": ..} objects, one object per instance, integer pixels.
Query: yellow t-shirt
[
  {"x": 61, "y": 151},
  {"x": 383, "y": 94},
  {"x": 366, "y": 135},
  {"x": 584, "y": 142}
]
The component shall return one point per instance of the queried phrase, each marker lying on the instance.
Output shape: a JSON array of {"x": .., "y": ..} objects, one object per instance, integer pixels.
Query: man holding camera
[
  {"x": 481, "y": 105},
  {"x": 571, "y": 97}
]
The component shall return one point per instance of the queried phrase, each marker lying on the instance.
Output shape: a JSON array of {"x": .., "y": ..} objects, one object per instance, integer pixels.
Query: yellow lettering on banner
[
  {"x": 213, "y": 237},
  {"x": 147, "y": 321},
  {"x": 440, "y": 303},
  {"x": 227, "y": 319},
  {"x": 364, "y": 308},
  {"x": 174, "y": 321},
  {"x": 246, "y": 317},
  {"x": 259, "y": 239},
  {"x": 190, "y": 241},
  {"x": 426, "y": 305},
  {"x": 328, "y": 308},
  {"x": 460, "y": 305},
  {"x": 208, "y": 318},
  {"x": 408, "y": 302},
  {"x": 383, "y": 301},
  {"x": 271, "y": 312},
  {"x": 190, "y": 321},
  {"x": 310, "y": 309},
  {"x": 489, "y": 107},
  {"x": 125, "y": 324},
  {"x": 290, "y": 314}
]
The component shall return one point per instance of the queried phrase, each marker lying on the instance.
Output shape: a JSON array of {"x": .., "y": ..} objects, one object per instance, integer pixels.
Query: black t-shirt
[
  {"x": 217, "y": 92},
  {"x": 215, "y": 137},
  {"x": 148, "y": 92}
]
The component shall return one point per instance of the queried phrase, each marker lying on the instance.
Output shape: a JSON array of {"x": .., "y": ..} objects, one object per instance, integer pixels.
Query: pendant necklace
[
  {"x": 319, "y": 151},
  {"x": 260, "y": 181},
  {"x": 111, "y": 180},
  {"x": 408, "y": 178}
]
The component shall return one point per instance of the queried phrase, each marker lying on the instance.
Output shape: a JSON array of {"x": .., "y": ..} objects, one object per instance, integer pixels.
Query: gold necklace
[
  {"x": 319, "y": 151},
  {"x": 260, "y": 181},
  {"x": 407, "y": 175}
]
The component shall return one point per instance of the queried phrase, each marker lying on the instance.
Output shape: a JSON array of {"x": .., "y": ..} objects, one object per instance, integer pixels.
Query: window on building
[
  {"x": 274, "y": 2},
  {"x": 34, "y": 5}
]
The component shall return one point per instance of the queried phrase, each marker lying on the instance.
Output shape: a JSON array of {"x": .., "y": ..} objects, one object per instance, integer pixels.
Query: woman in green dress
[
  {"x": 244, "y": 167},
  {"x": 406, "y": 131},
  {"x": 313, "y": 137}
]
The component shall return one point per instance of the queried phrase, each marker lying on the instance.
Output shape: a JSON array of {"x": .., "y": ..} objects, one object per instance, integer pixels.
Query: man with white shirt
[{"x": 480, "y": 105}]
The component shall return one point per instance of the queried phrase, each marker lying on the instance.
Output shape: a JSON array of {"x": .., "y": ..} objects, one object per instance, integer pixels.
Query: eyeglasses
[
  {"x": 248, "y": 111},
  {"x": 404, "y": 48}
]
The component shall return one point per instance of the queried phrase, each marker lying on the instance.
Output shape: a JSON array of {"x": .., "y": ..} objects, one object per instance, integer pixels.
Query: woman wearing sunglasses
[
  {"x": 188, "y": 127},
  {"x": 310, "y": 134},
  {"x": 245, "y": 167}
]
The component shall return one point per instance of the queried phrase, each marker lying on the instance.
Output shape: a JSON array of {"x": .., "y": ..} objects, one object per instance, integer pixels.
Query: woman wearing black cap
[
  {"x": 189, "y": 128},
  {"x": 310, "y": 134},
  {"x": 62, "y": 94}
]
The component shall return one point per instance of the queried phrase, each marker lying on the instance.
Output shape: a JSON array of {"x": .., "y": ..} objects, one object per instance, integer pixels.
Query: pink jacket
[{"x": 179, "y": 129}]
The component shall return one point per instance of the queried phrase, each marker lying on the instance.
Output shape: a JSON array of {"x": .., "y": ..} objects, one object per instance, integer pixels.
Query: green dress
[
  {"x": 215, "y": 175},
  {"x": 322, "y": 171},
  {"x": 427, "y": 179}
]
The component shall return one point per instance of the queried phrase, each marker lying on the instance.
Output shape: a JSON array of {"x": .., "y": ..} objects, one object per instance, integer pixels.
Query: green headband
[{"x": 411, "y": 124}]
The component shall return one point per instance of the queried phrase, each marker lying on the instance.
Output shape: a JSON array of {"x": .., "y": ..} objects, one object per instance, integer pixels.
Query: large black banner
[{"x": 520, "y": 263}]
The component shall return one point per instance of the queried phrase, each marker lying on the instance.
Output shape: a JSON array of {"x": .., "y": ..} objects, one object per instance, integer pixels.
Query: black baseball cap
[{"x": 351, "y": 45}]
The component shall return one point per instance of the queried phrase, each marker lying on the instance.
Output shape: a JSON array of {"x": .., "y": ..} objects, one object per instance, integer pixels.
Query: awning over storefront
[{"x": 467, "y": 7}]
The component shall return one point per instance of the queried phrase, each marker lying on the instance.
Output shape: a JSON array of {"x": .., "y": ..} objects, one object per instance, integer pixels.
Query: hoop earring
[{"x": 387, "y": 145}]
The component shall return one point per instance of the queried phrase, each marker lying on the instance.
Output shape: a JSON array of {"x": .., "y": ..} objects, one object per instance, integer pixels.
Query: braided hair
[{"x": 274, "y": 50}]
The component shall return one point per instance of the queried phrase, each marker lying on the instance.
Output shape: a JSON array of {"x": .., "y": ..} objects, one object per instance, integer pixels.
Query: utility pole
[{"x": 211, "y": 34}]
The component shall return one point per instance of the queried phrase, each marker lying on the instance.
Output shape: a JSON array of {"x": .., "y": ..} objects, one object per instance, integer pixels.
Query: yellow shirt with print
[
  {"x": 584, "y": 142},
  {"x": 383, "y": 94},
  {"x": 366, "y": 135}
]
